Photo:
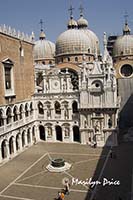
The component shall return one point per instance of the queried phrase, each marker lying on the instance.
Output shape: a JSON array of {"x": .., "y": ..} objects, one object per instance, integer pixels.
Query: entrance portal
[
  {"x": 76, "y": 134},
  {"x": 42, "y": 133},
  {"x": 58, "y": 133}
]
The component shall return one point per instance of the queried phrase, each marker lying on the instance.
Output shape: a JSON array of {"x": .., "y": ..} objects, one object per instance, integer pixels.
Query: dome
[
  {"x": 72, "y": 23},
  {"x": 93, "y": 38},
  {"x": 83, "y": 26},
  {"x": 123, "y": 45},
  {"x": 82, "y": 22},
  {"x": 44, "y": 49},
  {"x": 73, "y": 41}
]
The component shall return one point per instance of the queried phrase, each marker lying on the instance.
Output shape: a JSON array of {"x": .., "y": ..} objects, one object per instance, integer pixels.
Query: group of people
[{"x": 65, "y": 191}]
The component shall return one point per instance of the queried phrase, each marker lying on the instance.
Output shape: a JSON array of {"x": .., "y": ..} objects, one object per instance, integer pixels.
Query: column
[
  {"x": 54, "y": 133},
  {"x": 25, "y": 139},
  {"x": 71, "y": 133},
  {"x": 20, "y": 143},
  {"x": 63, "y": 133},
  {"x": 31, "y": 137},
  {"x": 37, "y": 133}
]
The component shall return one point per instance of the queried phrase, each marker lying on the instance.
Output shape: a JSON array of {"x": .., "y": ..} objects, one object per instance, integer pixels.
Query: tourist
[{"x": 67, "y": 188}]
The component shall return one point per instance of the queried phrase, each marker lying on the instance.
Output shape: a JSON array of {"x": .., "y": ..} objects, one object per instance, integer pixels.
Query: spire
[
  {"x": 71, "y": 11},
  {"x": 42, "y": 34},
  {"x": 126, "y": 29},
  {"x": 106, "y": 57},
  {"x": 81, "y": 10}
]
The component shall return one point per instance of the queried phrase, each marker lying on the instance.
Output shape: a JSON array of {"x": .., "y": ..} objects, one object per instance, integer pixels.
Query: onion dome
[
  {"x": 72, "y": 24},
  {"x": 43, "y": 49},
  {"x": 124, "y": 44},
  {"x": 73, "y": 41}
]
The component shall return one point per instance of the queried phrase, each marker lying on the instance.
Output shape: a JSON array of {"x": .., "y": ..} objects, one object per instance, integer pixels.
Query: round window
[{"x": 126, "y": 70}]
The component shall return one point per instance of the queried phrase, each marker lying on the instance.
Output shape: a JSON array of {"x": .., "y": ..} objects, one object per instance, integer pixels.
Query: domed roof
[
  {"x": 72, "y": 23},
  {"x": 94, "y": 40},
  {"x": 124, "y": 44},
  {"x": 73, "y": 41},
  {"x": 82, "y": 22},
  {"x": 44, "y": 49},
  {"x": 83, "y": 26}
]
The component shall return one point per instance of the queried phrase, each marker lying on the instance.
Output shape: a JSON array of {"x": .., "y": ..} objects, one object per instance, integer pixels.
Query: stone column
[
  {"x": 37, "y": 133},
  {"x": 25, "y": 139},
  {"x": 20, "y": 143},
  {"x": 31, "y": 137},
  {"x": 71, "y": 133},
  {"x": 54, "y": 133}
]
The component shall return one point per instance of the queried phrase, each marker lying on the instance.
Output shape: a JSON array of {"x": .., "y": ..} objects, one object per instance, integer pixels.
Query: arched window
[
  {"x": 1, "y": 118},
  {"x": 68, "y": 59},
  {"x": 75, "y": 107},
  {"x": 57, "y": 108},
  {"x": 26, "y": 110},
  {"x": 40, "y": 108},
  {"x": 21, "y": 111},
  {"x": 15, "y": 117},
  {"x": 8, "y": 115},
  {"x": 76, "y": 59}
]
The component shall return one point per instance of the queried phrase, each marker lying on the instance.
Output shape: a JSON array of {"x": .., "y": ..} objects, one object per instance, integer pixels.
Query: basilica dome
[
  {"x": 124, "y": 44},
  {"x": 73, "y": 41},
  {"x": 83, "y": 26},
  {"x": 44, "y": 49}
]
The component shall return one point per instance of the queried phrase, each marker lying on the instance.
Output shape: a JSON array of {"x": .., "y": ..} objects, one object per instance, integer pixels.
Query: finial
[
  {"x": 81, "y": 10},
  {"x": 126, "y": 17},
  {"x": 41, "y": 23},
  {"x": 42, "y": 34},
  {"x": 71, "y": 11},
  {"x": 126, "y": 30},
  {"x": 105, "y": 39}
]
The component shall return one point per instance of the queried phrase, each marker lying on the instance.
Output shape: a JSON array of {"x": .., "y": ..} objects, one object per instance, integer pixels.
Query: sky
[{"x": 103, "y": 16}]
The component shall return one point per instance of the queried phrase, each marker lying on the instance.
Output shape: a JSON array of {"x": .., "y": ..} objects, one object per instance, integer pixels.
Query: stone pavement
[{"x": 25, "y": 177}]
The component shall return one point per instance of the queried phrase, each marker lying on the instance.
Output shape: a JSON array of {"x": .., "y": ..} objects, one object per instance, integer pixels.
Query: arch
[
  {"x": 75, "y": 107},
  {"x": 57, "y": 107},
  {"x": 15, "y": 115},
  {"x": 42, "y": 132},
  {"x": 26, "y": 110},
  {"x": 11, "y": 147},
  {"x": 28, "y": 136},
  {"x": 21, "y": 109},
  {"x": 18, "y": 141},
  {"x": 8, "y": 115},
  {"x": 40, "y": 108},
  {"x": 4, "y": 149},
  {"x": 31, "y": 108},
  {"x": 23, "y": 139},
  {"x": 76, "y": 134},
  {"x": 1, "y": 117},
  {"x": 58, "y": 130}
]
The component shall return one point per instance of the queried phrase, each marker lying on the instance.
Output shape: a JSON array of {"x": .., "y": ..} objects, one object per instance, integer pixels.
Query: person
[
  {"x": 62, "y": 196},
  {"x": 67, "y": 188}
]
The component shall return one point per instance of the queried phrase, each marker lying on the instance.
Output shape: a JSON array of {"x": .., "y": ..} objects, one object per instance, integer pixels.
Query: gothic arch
[
  {"x": 8, "y": 115},
  {"x": 4, "y": 148},
  {"x": 11, "y": 147}
]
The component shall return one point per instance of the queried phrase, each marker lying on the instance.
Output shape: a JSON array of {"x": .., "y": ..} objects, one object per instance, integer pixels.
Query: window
[
  {"x": 8, "y": 77},
  {"x": 76, "y": 59},
  {"x": 57, "y": 108}
]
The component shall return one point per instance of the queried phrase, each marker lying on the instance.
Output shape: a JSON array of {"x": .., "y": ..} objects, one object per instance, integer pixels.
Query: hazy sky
[{"x": 103, "y": 16}]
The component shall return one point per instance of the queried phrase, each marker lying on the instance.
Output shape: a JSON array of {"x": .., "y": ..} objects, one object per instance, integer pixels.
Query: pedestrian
[{"x": 67, "y": 188}]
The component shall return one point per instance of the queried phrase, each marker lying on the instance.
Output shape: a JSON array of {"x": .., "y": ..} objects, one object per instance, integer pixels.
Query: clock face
[{"x": 55, "y": 84}]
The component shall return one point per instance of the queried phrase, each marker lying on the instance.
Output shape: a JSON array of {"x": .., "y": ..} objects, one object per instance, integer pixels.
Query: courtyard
[{"x": 25, "y": 177}]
